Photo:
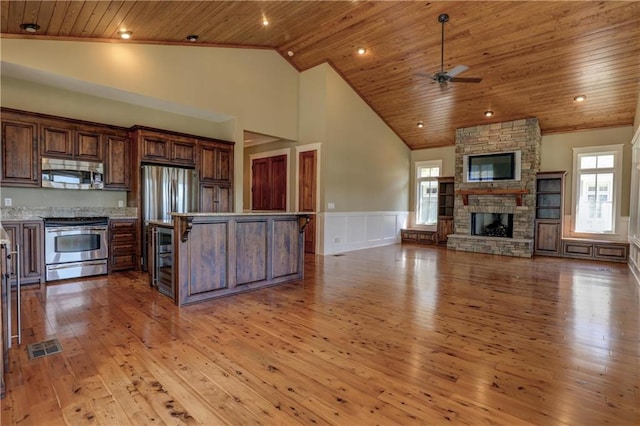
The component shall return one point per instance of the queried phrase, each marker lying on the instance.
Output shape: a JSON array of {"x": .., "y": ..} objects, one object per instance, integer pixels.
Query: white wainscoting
[{"x": 348, "y": 231}]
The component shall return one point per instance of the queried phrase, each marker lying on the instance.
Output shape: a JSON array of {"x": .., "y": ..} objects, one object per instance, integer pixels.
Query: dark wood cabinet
[
  {"x": 549, "y": 213},
  {"x": 117, "y": 162},
  {"x": 215, "y": 162},
  {"x": 28, "y": 136},
  {"x": 88, "y": 145},
  {"x": 123, "y": 242},
  {"x": 19, "y": 151},
  {"x": 215, "y": 170},
  {"x": 216, "y": 198},
  {"x": 55, "y": 141},
  {"x": 165, "y": 148},
  {"x": 446, "y": 199},
  {"x": 72, "y": 140},
  {"x": 29, "y": 236}
]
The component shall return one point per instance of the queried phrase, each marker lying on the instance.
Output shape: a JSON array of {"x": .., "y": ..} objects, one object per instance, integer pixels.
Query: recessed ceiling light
[
  {"x": 265, "y": 22},
  {"x": 420, "y": 124},
  {"x": 580, "y": 98},
  {"x": 30, "y": 28},
  {"x": 126, "y": 35},
  {"x": 290, "y": 53},
  {"x": 488, "y": 113},
  {"x": 361, "y": 50},
  {"x": 192, "y": 37}
]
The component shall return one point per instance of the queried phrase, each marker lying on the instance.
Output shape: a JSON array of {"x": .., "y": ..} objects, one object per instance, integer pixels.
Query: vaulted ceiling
[{"x": 533, "y": 57}]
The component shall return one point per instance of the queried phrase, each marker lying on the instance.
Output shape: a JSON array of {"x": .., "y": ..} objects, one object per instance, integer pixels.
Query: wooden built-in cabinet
[
  {"x": 27, "y": 137},
  {"x": 70, "y": 139},
  {"x": 549, "y": 213},
  {"x": 29, "y": 236},
  {"x": 20, "y": 158},
  {"x": 446, "y": 197},
  {"x": 165, "y": 147},
  {"x": 215, "y": 170},
  {"x": 420, "y": 236},
  {"x": 123, "y": 242},
  {"x": 117, "y": 167}
]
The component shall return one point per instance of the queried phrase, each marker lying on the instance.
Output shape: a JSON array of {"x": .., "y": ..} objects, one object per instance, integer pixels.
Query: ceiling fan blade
[
  {"x": 423, "y": 75},
  {"x": 466, "y": 80},
  {"x": 457, "y": 70}
]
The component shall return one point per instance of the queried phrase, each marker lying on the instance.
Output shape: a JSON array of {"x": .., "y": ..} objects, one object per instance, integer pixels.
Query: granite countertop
[
  {"x": 164, "y": 223},
  {"x": 38, "y": 213},
  {"x": 253, "y": 213}
]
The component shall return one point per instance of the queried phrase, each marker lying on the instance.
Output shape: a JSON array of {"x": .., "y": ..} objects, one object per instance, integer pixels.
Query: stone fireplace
[{"x": 497, "y": 217}]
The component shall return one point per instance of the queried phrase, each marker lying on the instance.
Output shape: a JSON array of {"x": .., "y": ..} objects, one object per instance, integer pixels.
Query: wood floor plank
[{"x": 393, "y": 335}]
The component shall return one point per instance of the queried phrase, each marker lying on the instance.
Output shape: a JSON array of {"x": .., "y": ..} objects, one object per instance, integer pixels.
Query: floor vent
[{"x": 48, "y": 347}]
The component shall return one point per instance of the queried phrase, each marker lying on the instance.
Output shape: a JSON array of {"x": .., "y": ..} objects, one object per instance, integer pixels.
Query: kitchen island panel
[
  {"x": 208, "y": 255},
  {"x": 251, "y": 251},
  {"x": 220, "y": 255},
  {"x": 285, "y": 247}
]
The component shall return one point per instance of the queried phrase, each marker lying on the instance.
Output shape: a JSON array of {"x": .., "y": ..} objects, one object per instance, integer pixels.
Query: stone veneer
[{"x": 523, "y": 135}]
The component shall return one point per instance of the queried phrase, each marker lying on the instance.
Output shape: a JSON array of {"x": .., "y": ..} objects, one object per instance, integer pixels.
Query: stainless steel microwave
[{"x": 71, "y": 174}]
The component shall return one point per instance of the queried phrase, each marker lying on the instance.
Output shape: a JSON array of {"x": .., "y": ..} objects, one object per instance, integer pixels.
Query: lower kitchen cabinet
[
  {"x": 123, "y": 237},
  {"x": 29, "y": 236}
]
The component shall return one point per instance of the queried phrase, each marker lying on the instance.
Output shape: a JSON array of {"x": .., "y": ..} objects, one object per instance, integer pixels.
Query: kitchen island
[{"x": 219, "y": 254}]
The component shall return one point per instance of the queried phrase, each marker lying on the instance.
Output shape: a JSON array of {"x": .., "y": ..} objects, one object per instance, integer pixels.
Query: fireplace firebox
[{"x": 492, "y": 224}]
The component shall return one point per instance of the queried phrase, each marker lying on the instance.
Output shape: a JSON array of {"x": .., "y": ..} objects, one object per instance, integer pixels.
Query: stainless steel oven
[{"x": 75, "y": 247}]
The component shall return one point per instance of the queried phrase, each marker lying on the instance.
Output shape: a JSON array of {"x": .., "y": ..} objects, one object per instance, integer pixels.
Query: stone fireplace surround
[{"x": 523, "y": 135}]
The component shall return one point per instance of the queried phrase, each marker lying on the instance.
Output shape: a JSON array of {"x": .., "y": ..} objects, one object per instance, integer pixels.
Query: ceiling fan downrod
[{"x": 442, "y": 18}]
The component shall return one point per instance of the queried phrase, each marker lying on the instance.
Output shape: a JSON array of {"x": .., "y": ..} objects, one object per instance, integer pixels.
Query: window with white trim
[
  {"x": 427, "y": 173},
  {"x": 597, "y": 178}
]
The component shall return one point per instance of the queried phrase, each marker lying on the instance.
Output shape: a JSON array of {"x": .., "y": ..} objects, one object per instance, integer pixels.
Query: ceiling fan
[{"x": 443, "y": 77}]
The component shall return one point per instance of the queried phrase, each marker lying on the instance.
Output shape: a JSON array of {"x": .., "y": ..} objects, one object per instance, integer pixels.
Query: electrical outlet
[
  {"x": 8, "y": 202},
  {"x": 336, "y": 240},
  {"x": 331, "y": 206},
  {"x": 120, "y": 203}
]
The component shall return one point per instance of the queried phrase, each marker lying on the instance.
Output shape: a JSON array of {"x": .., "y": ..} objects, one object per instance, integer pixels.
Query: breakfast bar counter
[{"x": 220, "y": 254}]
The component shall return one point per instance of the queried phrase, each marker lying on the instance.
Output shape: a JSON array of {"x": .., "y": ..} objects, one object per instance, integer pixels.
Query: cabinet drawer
[
  {"x": 577, "y": 249},
  {"x": 123, "y": 247},
  {"x": 123, "y": 261},
  {"x": 617, "y": 252}
]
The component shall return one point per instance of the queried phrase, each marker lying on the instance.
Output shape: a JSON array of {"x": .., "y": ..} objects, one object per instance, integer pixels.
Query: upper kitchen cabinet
[
  {"x": 29, "y": 136},
  {"x": 20, "y": 165},
  {"x": 71, "y": 140},
  {"x": 117, "y": 173},
  {"x": 165, "y": 147},
  {"x": 215, "y": 161}
]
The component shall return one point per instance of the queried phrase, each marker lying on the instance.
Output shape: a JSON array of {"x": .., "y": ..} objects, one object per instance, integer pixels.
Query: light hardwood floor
[{"x": 391, "y": 335}]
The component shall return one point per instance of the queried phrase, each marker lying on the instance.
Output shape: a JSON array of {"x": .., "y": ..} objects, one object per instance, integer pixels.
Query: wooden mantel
[{"x": 491, "y": 191}]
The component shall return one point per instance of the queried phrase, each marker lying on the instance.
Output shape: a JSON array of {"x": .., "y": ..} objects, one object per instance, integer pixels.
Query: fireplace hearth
[{"x": 492, "y": 224}]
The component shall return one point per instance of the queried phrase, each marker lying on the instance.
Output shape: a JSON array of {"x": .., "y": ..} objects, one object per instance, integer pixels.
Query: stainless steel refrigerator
[{"x": 166, "y": 190}]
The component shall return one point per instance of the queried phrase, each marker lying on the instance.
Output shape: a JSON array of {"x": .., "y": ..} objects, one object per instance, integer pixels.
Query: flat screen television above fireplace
[{"x": 501, "y": 166}]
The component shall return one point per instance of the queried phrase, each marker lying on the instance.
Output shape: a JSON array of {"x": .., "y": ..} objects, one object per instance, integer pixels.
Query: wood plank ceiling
[{"x": 533, "y": 57}]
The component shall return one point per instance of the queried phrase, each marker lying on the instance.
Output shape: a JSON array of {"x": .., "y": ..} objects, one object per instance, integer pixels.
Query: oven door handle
[
  {"x": 74, "y": 264},
  {"x": 76, "y": 229}
]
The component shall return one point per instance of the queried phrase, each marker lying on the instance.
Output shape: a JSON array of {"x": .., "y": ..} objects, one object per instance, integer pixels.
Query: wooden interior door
[
  {"x": 269, "y": 183},
  {"x": 307, "y": 196}
]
